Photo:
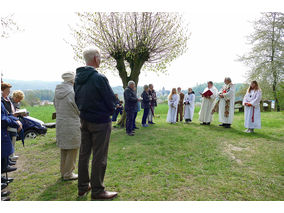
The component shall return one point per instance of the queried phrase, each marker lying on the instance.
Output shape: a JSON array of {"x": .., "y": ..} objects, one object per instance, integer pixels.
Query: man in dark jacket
[
  {"x": 96, "y": 102},
  {"x": 130, "y": 106}
]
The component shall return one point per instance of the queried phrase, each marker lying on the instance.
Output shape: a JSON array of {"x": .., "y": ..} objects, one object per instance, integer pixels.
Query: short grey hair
[
  {"x": 228, "y": 79},
  {"x": 130, "y": 83},
  {"x": 146, "y": 87},
  {"x": 89, "y": 54}
]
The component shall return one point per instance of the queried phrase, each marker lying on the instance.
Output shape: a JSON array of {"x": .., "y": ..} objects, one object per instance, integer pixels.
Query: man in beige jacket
[{"x": 68, "y": 134}]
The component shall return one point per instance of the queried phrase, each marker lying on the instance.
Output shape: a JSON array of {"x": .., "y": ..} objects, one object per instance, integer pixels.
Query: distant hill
[
  {"x": 43, "y": 86},
  {"x": 32, "y": 85}
]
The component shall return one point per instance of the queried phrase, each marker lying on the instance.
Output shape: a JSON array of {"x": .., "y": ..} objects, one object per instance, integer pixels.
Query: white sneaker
[
  {"x": 14, "y": 158},
  {"x": 72, "y": 177}
]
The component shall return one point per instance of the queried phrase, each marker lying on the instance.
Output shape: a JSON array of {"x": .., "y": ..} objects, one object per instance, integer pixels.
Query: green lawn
[{"x": 167, "y": 162}]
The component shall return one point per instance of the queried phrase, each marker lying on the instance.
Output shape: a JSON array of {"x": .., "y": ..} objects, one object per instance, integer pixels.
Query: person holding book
[
  {"x": 208, "y": 97},
  {"x": 173, "y": 101},
  {"x": 16, "y": 99},
  {"x": 189, "y": 100},
  {"x": 251, "y": 103}
]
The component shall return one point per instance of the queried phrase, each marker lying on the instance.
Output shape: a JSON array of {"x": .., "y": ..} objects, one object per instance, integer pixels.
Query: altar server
[
  {"x": 205, "y": 116},
  {"x": 189, "y": 105},
  {"x": 173, "y": 101},
  {"x": 251, "y": 102}
]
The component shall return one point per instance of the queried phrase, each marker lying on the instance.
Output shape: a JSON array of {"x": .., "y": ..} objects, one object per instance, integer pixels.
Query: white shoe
[
  {"x": 72, "y": 177},
  {"x": 14, "y": 158}
]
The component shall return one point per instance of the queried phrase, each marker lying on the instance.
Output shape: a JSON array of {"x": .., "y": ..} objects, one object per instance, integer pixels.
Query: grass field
[{"x": 167, "y": 162}]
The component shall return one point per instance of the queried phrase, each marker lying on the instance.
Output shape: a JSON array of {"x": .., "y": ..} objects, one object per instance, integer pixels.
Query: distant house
[{"x": 45, "y": 102}]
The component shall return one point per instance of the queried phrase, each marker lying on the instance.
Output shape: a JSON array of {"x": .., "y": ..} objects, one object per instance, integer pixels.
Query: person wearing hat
[{"x": 68, "y": 134}]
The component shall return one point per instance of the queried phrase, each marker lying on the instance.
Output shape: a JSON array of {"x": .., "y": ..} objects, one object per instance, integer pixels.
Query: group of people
[
  {"x": 11, "y": 126},
  {"x": 148, "y": 101},
  {"x": 213, "y": 101},
  {"x": 84, "y": 104}
]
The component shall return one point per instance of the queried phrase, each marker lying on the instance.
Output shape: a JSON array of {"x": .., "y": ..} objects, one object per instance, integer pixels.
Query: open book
[{"x": 21, "y": 112}]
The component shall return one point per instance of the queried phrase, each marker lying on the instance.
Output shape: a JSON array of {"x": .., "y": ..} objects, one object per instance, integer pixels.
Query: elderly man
[
  {"x": 68, "y": 136},
  {"x": 96, "y": 102},
  {"x": 227, "y": 103},
  {"x": 130, "y": 106}
]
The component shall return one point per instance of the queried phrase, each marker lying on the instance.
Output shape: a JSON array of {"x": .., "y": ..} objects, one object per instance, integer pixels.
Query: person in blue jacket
[
  {"x": 145, "y": 104},
  {"x": 6, "y": 143}
]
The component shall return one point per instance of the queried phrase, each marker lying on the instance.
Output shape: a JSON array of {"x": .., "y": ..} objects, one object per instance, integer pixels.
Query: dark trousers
[
  {"x": 180, "y": 112},
  {"x": 145, "y": 115},
  {"x": 4, "y": 164},
  {"x": 94, "y": 139},
  {"x": 129, "y": 121},
  {"x": 134, "y": 120},
  {"x": 115, "y": 114}
]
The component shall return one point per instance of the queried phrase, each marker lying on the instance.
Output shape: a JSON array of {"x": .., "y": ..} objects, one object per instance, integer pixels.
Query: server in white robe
[
  {"x": 173, "y": 100},
  {"x": 205, "y": 115},
  {"x": 227, "y": 103},
  {"x": 251, "y": 103},
  {"x": 189, "y": 100}
]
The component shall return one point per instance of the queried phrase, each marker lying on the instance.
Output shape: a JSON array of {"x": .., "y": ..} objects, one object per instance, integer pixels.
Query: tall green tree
[
  {"x": 266, "y": 58},
  {"x": 131, "y": 41}
]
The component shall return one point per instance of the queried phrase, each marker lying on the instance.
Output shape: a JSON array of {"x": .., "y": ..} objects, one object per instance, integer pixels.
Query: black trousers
[
  {"x": 129, "y": 121},
  {"x": 94, "y": 139}
]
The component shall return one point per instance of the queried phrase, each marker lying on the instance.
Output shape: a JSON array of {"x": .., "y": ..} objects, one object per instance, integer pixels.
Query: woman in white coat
[
  {"x": 173, "y": 100},
  {"x": 189, "y": 100},
  {"x": 68, "y": 134},
  {"x": 251, "y": 103}
]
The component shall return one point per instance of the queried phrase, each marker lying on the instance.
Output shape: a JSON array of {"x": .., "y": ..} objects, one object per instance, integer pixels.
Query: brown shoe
[
  {"x": 105, "y": 195},
  {"x": 81, "y": 194}
]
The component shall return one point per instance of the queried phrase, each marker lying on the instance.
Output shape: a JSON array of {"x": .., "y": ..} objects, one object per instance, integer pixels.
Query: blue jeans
[
  {"x": 145, "y": 115},
  {"x": 129, "y": 121}
]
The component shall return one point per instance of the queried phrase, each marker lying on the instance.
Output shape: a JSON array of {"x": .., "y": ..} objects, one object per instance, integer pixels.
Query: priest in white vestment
[
  {"x": 188, "y": 101},
  {"x": 205, "y": 115},
  {"x": 173, "y": 100},
  {"x": 227, "y": 103},
  {"x": 251, "y": 103}
]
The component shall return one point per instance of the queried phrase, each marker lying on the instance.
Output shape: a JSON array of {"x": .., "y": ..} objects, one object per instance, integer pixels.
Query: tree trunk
[
  {"x": 274, "y": 74},
  {"x": 134, "y": 76}
]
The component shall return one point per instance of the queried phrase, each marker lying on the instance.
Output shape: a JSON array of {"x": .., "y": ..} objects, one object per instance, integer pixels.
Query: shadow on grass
[
  {"x": 232, "y": 130},
  {"x": 61, "y": 190}
]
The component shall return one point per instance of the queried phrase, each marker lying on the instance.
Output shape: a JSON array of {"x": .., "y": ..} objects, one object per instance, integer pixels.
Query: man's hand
[
  {"x": 221, "y": 96},
  {"x": 20, "y": 126}
]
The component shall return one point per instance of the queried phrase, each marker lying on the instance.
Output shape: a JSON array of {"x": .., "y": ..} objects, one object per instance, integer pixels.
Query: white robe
[
  {"x": 189, "y": 108},
  {"x": 207, "y": 105},
  {"x": 252, "y": 113},
  {"x": 172, "y": 113},
  {"x": 230, "y": 95}
]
